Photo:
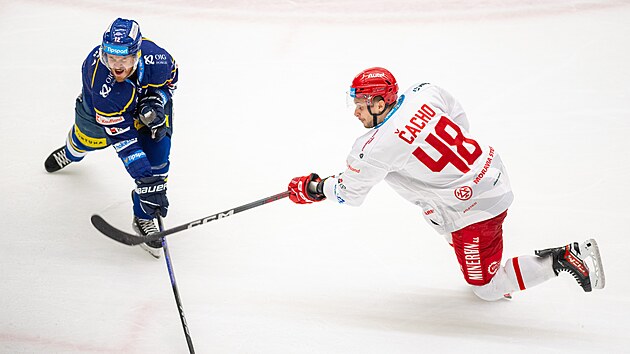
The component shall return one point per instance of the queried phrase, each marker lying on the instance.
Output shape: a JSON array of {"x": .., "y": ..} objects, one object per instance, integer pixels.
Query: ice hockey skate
[
  {"x": 145, "y": 227},
  {"x": 57, "y": 160},
  {"x": 583, "y": 261}
]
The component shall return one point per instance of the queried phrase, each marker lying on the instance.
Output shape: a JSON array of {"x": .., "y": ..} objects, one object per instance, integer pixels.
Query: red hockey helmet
[{"x": 375, "y": 82}]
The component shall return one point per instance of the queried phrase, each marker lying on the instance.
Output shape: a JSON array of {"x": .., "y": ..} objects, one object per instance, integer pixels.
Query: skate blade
[
  {"x": 155, "y": 252},
  {"x": 598, "y": 280}
]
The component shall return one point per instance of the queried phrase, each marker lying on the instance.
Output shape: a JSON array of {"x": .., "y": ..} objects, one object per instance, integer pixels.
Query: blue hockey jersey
[{"x": 113, "y": 104}]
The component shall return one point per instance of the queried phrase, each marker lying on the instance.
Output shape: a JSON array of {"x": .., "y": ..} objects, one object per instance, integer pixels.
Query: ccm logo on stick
[{"x": 210, "y": 218}]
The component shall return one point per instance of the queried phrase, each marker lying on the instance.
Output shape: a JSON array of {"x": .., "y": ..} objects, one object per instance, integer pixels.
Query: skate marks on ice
[
  {"x": 132, "y": 328},
  {"x": 457, "y": 315}
]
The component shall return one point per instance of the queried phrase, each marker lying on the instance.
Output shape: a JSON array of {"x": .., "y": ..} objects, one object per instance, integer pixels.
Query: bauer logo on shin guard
[{"x": 210, "y": 218}]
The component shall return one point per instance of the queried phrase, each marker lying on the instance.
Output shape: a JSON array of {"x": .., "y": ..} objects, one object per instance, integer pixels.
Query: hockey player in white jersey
[{"x": 420, "y": 145}]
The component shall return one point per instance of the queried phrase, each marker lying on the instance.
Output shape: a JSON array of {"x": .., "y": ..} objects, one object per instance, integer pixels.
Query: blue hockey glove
[
  {"x": 151, "y": 195},
  {"x": 151, "y": 113}
]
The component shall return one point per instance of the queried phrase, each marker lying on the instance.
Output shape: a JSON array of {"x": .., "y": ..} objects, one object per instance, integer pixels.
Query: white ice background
[{"x": 261, "y": 100}]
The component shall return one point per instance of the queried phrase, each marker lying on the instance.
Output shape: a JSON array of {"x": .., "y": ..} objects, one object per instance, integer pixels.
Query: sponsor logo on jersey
[
  {"x": 152, "y": 59},
  {"x": 116, "y": 130},
  {"x": 105, "y": 90},
  {"x": 463, "y": 193},
  {"x": 339, "y": 199},
  {"x": 486, "y": 166},
  {"x": 124, "y": 144},
  {"x": 416, "y": 123},
  {"x": 108, "y": 120},
  {"x": 429, "y": 212},
  {"x": 88, "y": 140},
  {"x": 470, "y": 207},
  {"x": 355, "y": 170}
]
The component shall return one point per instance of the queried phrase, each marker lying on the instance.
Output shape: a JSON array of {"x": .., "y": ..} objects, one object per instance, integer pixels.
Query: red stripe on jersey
[{"x": 517, "y": 270}]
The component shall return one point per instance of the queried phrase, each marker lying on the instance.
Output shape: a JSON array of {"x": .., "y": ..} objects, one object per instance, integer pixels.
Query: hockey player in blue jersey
[{"x": 126, "y": 102}]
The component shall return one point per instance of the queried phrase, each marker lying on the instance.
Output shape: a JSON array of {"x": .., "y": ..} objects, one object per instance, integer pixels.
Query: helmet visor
[
  {"x": 120, "y": 62},
  {"x": 358, "y": 104},
  {"x": 354, "y": 100}
]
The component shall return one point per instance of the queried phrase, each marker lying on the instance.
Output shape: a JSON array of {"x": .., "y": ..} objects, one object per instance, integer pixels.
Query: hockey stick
[
  {"x": 130, "y": 239},
  {"x": 178, "y": 301}
]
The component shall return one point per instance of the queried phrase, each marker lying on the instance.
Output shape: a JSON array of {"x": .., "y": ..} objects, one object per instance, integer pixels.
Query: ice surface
[{"x": 260, "y": 100}]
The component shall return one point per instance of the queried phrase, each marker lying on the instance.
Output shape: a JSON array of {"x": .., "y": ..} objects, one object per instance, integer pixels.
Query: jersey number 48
[{"x": 451, "y": 147}]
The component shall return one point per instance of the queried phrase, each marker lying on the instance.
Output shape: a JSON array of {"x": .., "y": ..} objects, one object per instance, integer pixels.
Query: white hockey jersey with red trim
[{"x": 424, "y": 151}]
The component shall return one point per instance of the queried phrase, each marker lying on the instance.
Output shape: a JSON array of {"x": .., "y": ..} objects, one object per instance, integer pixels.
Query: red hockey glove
[{"x": 299, "y": 190}]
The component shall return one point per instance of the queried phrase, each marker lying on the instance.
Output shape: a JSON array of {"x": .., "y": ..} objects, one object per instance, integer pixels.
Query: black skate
[
  {"x": 573, "y": 258},
  {"x": 145, "y": 227},
  {"x": 57, "y": 160}
]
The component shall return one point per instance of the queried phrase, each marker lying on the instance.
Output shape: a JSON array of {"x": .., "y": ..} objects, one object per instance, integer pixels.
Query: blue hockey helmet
[{"x": 122, "y": 38}]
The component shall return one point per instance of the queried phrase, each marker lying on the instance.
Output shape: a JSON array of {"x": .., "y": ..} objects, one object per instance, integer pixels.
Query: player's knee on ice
[{"x": 516, "y": 274}]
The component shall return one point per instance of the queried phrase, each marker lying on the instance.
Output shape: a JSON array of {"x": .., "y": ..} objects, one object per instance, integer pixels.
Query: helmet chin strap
[{"x": 375, "y": 115}]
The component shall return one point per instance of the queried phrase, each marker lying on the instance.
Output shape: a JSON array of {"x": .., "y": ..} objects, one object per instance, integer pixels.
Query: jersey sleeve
[
  {"x": 362, "y": 173},
  {"x": 160, "y": 72},
  {"x": 352, "y": 186},
  {"x": 166, "y": 84}
]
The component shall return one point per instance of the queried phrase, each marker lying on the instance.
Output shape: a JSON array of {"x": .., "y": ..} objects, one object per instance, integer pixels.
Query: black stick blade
[{"x": 115, "y": 234}]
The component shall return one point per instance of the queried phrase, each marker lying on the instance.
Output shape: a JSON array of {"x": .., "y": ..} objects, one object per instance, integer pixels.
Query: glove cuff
[
  {"x": 154, "y": 96},
  {"x": 152, "y": 184},
  {"x": 317, "y": 194}
]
